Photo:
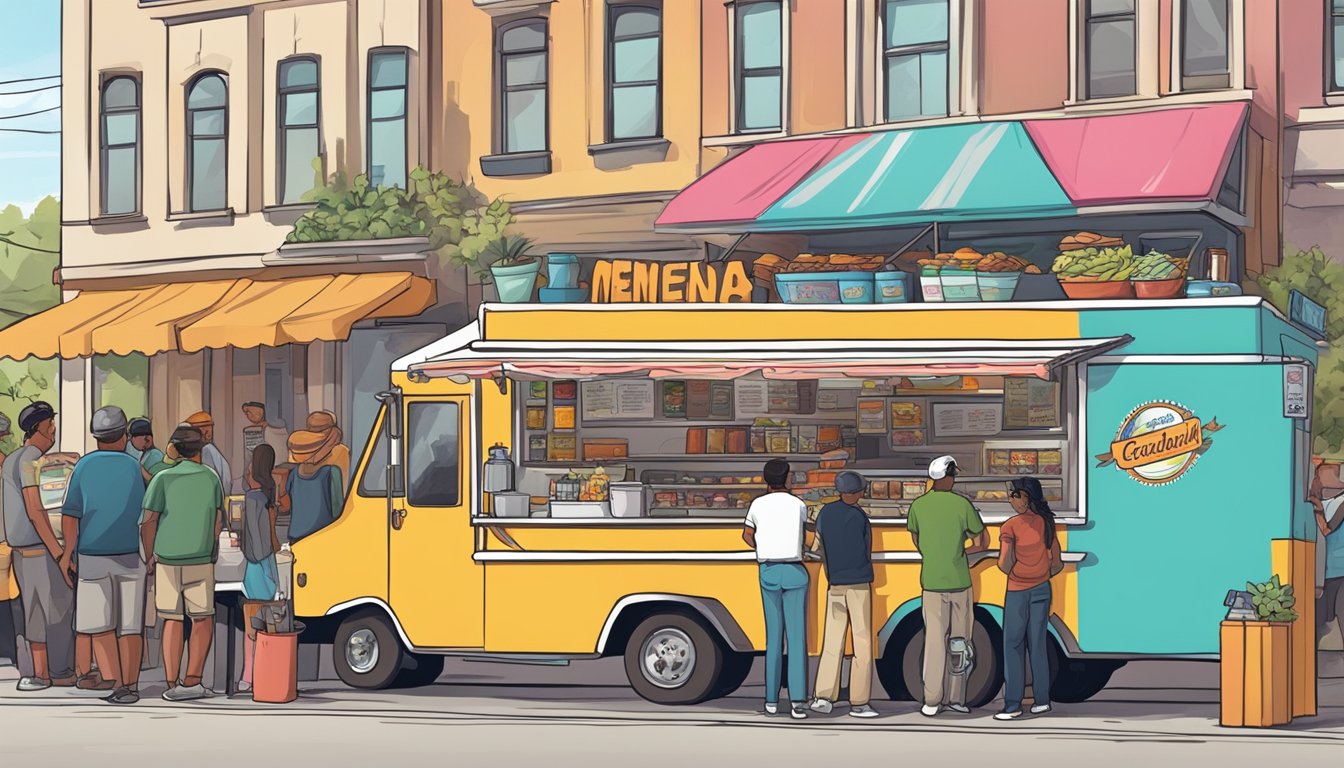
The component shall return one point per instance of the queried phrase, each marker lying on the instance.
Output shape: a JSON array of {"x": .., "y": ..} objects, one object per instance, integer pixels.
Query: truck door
[{"x": 436, "y": 589}]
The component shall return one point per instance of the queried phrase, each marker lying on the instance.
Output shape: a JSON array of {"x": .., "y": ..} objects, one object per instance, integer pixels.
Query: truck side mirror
[{"x": 391, "y": 400}]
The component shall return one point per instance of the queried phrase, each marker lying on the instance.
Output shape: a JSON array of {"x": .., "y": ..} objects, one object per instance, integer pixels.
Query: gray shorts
[
  {"x": 47, "y": 602},
  {"x": 110, "y": 595}
]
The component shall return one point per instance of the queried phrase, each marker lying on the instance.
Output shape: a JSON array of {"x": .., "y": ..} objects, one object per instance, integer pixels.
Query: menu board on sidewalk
[
  {"x": 618, "y": 399},
  {"x": 1030, "y": 403},
  {"x": 967, "y": 419}
]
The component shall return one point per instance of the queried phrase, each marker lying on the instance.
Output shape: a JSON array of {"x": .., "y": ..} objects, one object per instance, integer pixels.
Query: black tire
[
  {"x": 366, "y": 652},
  {"x": 1080, "y": 679},
  {"x": 906, "y": 664},
  {"x": 736, "y": 668},
  {"x": 673, "y": 639},
  {"x": 419, "y": 670}
]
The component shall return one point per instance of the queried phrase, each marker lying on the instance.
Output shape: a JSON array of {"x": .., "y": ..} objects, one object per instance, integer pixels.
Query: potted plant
[
  {"x": 515, "y": 272},
  {"x": 1256, "y": 658}
]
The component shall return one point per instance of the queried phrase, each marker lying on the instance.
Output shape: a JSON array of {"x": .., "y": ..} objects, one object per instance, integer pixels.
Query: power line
[
  {"x": 7, "y": 241},
  {"x": 30, "y": 114},
  {"x": 29, "y": 130},
  {"x": 30, "y": 79},
  {"x": 31, "y": 90}
]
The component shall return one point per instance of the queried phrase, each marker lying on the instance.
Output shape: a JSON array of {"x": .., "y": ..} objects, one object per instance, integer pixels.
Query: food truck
[{"x": 558, "y": 482}]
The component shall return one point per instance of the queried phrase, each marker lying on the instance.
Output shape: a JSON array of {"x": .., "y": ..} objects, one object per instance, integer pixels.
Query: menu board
[
  {"x": 872, "y": 415},
  {"x": 751, "y": 397},
  {"x": 1030, "y": 403},
  {"x": 721, "y": 400},
  {"x": 967, "y": 419},
  {"x": 618, "y": 399}
]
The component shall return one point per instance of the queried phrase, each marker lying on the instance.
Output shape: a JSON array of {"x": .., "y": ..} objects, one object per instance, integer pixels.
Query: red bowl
[
  {"x": 1097, "y": 289},
  {"x": 1160, "y": 289}
]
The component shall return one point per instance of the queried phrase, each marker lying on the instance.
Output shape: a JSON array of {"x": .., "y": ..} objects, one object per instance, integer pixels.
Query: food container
[
  {"x": 561, "y": 448},
  {"x": 695, "y": 440},
  {"x": 629, "y": 499},
  {"x": 959, "y": 285},
  {"x": 891, "y": 287},
  {"x": 931, "y": 285},
  {"x": 1206, "y": 288},
  {"x": 1077, "y": 288},
  {"x": 997, "y": 286},
  {"x": 562, "y": 270},
  {"x": 835, "y": 459},
  {"x": 821, "y": 478},
  {"x": 1000, "y": 462},
  {"x": 854, "y": 287},
  {"x": 580, "y": 509},
  {"x": 1023, "y": 462},
  {"x": 879, "y": 489},
  {"x": 512, "y": 504},
  {"x": 605, "y": 448},
  {"x": 1160, "y": 289},
  {"x": 913, "y": 489},
  {"x": 1050, "y": 462}
]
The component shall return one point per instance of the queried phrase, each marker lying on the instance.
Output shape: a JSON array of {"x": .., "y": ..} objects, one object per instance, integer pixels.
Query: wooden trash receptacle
[{"x": 1256, "y": 666}]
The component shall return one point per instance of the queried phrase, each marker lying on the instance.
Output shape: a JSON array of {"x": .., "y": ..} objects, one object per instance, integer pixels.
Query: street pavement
[{"x": 490, "y": 714}]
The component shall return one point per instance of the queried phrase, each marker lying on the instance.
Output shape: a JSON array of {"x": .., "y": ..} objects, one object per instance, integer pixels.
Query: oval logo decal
[{"x": 1158, "y": 442}]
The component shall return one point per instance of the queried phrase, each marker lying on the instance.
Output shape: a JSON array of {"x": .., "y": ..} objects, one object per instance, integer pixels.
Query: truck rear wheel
[
  {"x": 366, "y": 652},
  {"x": 901, "y": 669},
  {"x": 673, "y": 659}
]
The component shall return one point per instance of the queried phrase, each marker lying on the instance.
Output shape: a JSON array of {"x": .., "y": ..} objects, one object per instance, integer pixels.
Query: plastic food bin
[
  {"x": 891, "y": 287},
  {"x": 959, "y": 285},
  {"x": 931, "y": 286},
  {"x": 997, "y": 286},
  {"x": 825, "y": 287},
  {"x": 629, "y": 499}
]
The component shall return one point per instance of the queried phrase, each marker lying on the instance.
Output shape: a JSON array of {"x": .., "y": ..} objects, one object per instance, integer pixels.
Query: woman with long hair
[
  {"x": 260, "y": 577},
  {"x": 1029, "y": 553}
]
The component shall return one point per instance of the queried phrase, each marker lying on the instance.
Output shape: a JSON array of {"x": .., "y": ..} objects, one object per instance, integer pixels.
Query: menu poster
[
  {"x": 906, "y": 414},
  {"x": 872, "y": 415},
  {"x": 967, "y": 419},
  {"x": 536, "y": 390},
  {"x": 836, "y": 399},
  {"x": 617, "y": 399},
  {"x": 674, "y": 399},
  {"x": 783, "y": 396},
  {"x": 1030, "y": 403},
  {"x": 697, "y": 400},
  {"x": 721, "y": 401},
  {"x": 751, "y": 397}
]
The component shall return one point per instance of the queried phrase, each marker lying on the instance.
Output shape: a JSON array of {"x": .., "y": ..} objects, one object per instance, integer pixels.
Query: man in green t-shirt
[
  {"x": 184, "y": 513},
  {"x": 940, "y": 522}
]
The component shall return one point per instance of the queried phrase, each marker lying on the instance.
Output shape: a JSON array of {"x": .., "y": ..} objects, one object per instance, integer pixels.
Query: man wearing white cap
[{"x": 940, "y": 522}]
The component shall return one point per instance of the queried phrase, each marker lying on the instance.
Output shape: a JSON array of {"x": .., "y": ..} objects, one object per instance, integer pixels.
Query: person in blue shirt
[
  {"x": 101, "y": 523},
  {"x": 315, "y": 491}
]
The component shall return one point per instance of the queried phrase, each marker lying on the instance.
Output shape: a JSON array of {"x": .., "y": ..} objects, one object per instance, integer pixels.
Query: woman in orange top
[{"x": 1029, "y": 553}]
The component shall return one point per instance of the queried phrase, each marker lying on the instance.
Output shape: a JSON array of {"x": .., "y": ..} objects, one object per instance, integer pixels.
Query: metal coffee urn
[{"x": 498, "y": 470}]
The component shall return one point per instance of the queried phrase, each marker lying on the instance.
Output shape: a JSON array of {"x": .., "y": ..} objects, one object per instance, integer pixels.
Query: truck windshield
[{"x": 373, "y": 481}]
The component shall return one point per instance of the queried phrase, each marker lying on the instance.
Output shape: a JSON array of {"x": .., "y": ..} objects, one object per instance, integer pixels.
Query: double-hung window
[
  {"x": 915, "y": 49},
  {"x": 207, "y": 142},
  {"x": 523, "y": 75},
  {"x": 299, "y": 137},
  {"x": 1205, "y": 62},
  {"x": 1110, "y": 32},
  {"x": 119, "y": 146},
  {"x": 1335, "y": 30},
  {"x": 388, "y": 73},
  {"x": 634, "y": 72},
  {"x": 759, "y": 65}
]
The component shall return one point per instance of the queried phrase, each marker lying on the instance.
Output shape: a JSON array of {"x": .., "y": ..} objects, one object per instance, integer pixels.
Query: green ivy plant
[
  {"x": 1273, "y": 601},
  {"x": 1321, "y": 279},
  {"x": 459, "y": 222}
]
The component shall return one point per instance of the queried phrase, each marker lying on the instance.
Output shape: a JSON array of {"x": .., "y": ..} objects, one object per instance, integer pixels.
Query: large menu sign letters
[{"x": 623, "y": 281}]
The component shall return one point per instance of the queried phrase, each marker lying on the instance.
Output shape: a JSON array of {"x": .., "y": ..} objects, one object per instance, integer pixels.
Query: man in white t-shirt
[{"x": 775, "y": 528}]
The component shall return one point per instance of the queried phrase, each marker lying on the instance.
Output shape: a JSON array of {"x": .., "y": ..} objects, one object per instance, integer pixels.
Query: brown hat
[
  {"x": 306, "y": 445},
  {"x": 201, "y": 419},
  {"x": 321, "y": 421}
]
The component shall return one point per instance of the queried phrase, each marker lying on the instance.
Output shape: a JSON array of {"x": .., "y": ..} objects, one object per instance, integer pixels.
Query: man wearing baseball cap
[
  {"x": 940, "y": 522},
  {"x": 847, "y": 549},
  {"x": 101, "y": 521},
  {"x": 142, "y": 449},
  {"x": 46, "y": 592}
]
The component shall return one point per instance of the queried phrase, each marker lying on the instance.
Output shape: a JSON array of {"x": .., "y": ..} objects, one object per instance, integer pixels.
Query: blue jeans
[
  {"x": 784, "y": 595},
  {"x": 1025, "y": 613}
]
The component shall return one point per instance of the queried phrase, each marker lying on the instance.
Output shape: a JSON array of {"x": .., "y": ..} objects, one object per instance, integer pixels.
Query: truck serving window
[{"x": 432, "y": 442}]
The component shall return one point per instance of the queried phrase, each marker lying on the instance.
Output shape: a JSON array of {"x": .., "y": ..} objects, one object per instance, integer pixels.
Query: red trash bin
[{"x": 275, "y": 668}]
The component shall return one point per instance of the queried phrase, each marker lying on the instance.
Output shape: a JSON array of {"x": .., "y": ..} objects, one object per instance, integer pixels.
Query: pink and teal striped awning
[{"x": 971, "y": 171}]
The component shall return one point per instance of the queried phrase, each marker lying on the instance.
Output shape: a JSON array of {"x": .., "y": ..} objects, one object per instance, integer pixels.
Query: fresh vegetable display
[
  {"x": 1273, "y": 600},
  {"x": 1155, "y": 265},
  {"x": 1108, "y": 264}
]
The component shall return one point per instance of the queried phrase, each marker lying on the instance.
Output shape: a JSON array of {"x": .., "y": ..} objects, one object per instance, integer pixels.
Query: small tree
[{"x": 1321, "y": 279}]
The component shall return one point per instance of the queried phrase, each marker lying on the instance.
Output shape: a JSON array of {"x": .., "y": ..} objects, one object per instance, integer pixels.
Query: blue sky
[{"x": 30, "y": 164}]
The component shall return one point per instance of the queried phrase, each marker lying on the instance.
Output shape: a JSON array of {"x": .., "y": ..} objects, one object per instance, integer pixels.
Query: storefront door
[{"x": 436, "y": 589}]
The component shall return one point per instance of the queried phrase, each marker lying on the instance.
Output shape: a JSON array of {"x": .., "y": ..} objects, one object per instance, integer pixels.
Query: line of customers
[
  {"x": 940, "y": 523},
  {"x": 138, "y": 521}
]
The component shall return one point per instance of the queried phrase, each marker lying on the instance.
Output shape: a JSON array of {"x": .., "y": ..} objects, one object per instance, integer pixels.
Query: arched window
[
  {"x": 207, "y": 142},
  {"x": 523, "y": 78},
  {"x": 119, "y": 146},
  {"x": 299, "y": 113}
]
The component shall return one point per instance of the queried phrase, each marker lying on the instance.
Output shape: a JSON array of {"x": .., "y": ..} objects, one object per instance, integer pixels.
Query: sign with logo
[
  {"x": 1158, "y": 442},
  {"x": 622, "y": 281},
  {"x": 1296, "y": 391},
  {"x": 1306, "y": 314}
]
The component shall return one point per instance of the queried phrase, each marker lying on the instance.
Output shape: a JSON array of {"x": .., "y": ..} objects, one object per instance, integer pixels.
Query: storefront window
[
  {"x": 123, "y": 382},
  {"x": 915, "y": 40},
  {"x": 432, "y": 471}
]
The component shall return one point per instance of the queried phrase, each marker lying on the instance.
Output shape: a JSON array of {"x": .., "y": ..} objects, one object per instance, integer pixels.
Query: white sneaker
[
  {"x": 798, "y": 711},
  {"x": 822, "y": 706},
  {"x": 186, "y": 693},
  {"x": 771, "y": 709},
  {"x": 1008, "y": 714},
  {"x": 1041, "y": 709},
  {"x": 863, "y": 710},
  {"x": 33, "y": 684},
  {"x": 960, "y": 709},
  {"x": 929, "y": 711}
]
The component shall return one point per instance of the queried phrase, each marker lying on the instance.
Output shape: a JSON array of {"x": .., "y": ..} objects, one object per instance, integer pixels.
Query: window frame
[
  {"x": 951, "y": 48},
  {"x": 1332, "y": 87},
  {"x": 613, "y": 10},
  {"x": 461, "y": 483},
  {"x": 369, "y": 119},
  {"x": 740, "y": 71},
  {"x": 1085, "y": 21},
  {"x": 192, "y": 137},
  {"x": 502, "y": 87},
  {"x": 1207, "y": 82},
  {"x": 105, "y": 80},
  {"x": 282, "y": 129}
]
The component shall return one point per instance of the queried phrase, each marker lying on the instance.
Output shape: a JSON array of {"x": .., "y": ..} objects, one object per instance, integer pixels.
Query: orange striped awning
[{"x": 215, "y": 314}]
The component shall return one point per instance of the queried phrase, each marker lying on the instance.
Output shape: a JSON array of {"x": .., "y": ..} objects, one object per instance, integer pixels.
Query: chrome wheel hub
[
  {"x": 361, "y": 651},
  {"x": 668, "y": 658}
]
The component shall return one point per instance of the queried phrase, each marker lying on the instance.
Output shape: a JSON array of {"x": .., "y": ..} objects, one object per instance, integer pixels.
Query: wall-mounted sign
[
  {"x": 1306, "y": 314},
  {"x": 622, "y": 281},
  {"x": 1296, "y": 391},
  {"x": 1158, "y": 442}
]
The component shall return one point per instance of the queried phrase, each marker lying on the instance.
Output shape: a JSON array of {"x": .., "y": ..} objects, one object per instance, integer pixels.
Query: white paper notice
[
  {"x": 605, "y": 400},
  {"x": 966, "y": 420},
  {"x": 752, "y": 398}
]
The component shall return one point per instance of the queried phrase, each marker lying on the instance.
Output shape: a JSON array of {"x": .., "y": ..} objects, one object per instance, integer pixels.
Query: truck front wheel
[
  {"x": 366, "y": 652},
  {"x": 673, "y": 659}
]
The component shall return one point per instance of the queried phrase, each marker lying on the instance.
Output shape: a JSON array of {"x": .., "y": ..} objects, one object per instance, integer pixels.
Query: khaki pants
[
  {"x": 847, "y": 607},
  {"x": 946, "y": 615}
]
